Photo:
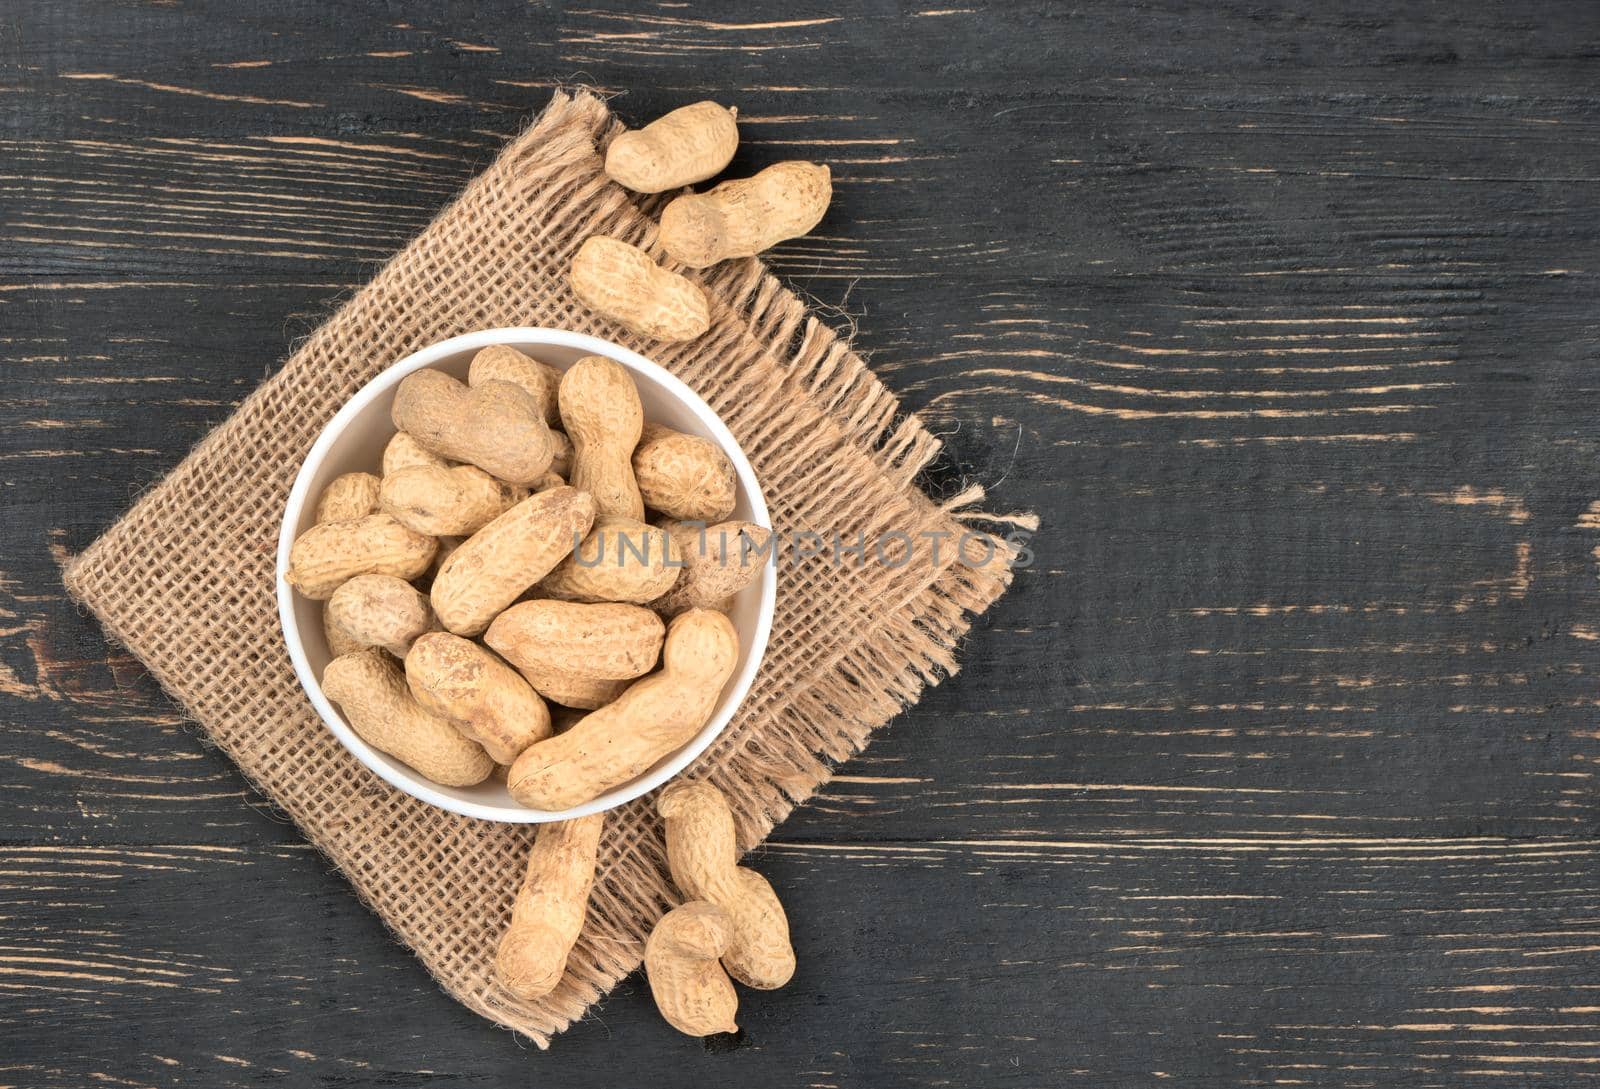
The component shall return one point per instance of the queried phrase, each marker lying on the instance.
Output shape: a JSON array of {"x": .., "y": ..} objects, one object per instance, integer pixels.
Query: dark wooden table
[{"x": 1278, "y": 766}]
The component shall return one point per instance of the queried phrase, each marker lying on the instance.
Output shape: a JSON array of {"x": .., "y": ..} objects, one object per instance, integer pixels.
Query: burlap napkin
[{"x": 185, "y": 579}]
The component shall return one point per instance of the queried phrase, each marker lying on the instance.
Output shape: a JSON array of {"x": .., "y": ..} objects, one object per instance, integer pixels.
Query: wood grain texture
[{"x": 1277, "y": 767}]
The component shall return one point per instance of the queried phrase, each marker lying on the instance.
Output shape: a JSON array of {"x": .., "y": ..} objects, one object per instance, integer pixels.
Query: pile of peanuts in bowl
[{"x": 527, "y": 612}]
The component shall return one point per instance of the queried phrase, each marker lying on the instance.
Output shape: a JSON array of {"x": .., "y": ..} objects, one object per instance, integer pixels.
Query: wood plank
[{"x": 1106, "y": 960}]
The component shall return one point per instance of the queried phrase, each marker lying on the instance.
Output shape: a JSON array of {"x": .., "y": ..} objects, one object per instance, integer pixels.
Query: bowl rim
[{"x": 523, "y": 338}]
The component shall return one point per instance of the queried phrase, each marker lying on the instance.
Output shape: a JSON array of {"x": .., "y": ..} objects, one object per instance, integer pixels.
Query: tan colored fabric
[{"x": 185, "y": 579}]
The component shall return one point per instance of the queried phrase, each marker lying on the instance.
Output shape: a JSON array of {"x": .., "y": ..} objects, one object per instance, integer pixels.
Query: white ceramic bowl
[{"x": 354, "y": 440}]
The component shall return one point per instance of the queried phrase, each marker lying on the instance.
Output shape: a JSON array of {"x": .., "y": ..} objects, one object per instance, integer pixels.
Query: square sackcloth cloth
[{"x": 186, "y": 578}]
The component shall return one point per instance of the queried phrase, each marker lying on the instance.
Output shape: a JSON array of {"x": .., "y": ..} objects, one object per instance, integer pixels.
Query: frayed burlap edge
[{"x": 185, "y": 579}]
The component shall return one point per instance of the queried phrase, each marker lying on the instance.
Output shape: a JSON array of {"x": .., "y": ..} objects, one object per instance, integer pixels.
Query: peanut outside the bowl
[
  {"x": 548, "y": 914},
  {"x": 747, "y": 216},
  {"x": 704, "y": 857},
  {"x": 622, "y": 283},
  {"x": 687, "y": 979},
  {"x": 688, "y": 145}
]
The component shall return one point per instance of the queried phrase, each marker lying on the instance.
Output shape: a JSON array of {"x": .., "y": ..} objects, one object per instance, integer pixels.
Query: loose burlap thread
[{"x": 186, "y": 578}]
